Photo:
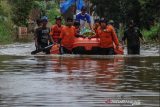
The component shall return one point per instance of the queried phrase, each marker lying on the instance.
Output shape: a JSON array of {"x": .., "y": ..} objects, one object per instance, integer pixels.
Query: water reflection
[{"x": 78, "y": 81}]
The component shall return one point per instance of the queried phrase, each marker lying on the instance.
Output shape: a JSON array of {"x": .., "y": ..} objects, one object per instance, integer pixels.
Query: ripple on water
[{"x": 55, "y": 81}]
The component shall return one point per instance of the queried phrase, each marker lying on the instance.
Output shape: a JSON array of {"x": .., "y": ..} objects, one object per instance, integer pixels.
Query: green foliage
[
  {"x": 48, "y": 9},
  {"x": 52, "y": 12},
  {"x": 149, "y": 11},
  {"x": 4, "y": 32},
  {"x": 6, "y": 23},
  {"x": 22, "y": 11},
  {"x": 40, "y": 5},
  {"x": 153, "y": 33},
  {"x": 121, "y": 32},
  {"x": 143, "y": 12}
]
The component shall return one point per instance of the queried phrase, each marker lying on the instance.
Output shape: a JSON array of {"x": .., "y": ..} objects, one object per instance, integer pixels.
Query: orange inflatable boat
[{"x": 86, "y": 46}]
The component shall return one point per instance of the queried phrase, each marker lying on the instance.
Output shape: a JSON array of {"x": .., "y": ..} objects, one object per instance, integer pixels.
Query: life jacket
[
  {"x": 132, "y": 37},
  {"x": 57, "y": 32}
]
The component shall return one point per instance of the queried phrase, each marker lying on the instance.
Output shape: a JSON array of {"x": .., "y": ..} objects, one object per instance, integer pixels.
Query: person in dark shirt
[
  {"x": 132, "y": 35},
  {"x": 39, "y": 24},
  {"x": 42, "y": 36}
]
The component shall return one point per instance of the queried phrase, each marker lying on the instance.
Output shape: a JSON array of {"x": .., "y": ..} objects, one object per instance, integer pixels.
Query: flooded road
[{"x": 77, "y": 81}]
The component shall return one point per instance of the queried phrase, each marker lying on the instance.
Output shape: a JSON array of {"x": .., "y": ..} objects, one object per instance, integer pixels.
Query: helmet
[
  {"x": 58, "y": 17},
  {"x": 103, "y": 19},
  {"x": 131, "y": 22}
]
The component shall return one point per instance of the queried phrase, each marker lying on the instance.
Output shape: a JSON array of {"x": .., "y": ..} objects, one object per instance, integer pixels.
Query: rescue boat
[{"x": 86, "y": 46}]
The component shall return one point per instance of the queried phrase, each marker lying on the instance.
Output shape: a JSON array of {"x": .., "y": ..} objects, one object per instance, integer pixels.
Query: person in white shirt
[{"x": 82, "y": 17}]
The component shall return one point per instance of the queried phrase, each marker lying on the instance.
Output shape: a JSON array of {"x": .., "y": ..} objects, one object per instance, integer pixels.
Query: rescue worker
[
  {"x": 111, "y": 22},
  {"x": 107, "y": 37},
  {"x": 66, "y": 38},
  {"x": 96, "y": 23},
  {"x": 42, "y": 36},
  {"x": 82, "y": 17},
  {"x": 56, "y": 30},
  {"x": 132, "y": 35}
]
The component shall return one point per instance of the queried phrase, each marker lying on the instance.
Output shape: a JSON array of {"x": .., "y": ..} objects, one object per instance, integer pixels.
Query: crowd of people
[{"x": 64, "y": 36}]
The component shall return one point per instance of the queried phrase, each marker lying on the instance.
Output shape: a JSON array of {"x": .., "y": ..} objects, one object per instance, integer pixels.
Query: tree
[
  {"x": 22, "y": 12},
  {"x": 150, "y": 11},
  {"x": 141, "y": 11},
  {"x": 48, "y": 9}
]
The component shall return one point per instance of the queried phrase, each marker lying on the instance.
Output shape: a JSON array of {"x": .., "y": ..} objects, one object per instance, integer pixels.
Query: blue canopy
[{"x": 65, "y": 5}]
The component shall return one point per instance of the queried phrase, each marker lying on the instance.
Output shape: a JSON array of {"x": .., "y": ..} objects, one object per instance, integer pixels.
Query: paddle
[{"x": 39, "y": 50}]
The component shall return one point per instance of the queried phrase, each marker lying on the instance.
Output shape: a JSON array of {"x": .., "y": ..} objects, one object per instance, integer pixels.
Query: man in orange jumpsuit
[
  {"x": 66, "y": 38},
  {"x": 56, "y": 30},
  {"x": 107, "y": 37}
]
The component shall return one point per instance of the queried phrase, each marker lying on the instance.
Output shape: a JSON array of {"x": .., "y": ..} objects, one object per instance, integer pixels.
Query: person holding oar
[{"x": 42, "y": 37}]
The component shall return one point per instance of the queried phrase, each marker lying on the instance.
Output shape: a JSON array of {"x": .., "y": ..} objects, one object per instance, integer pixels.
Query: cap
[
  {"x": 44, "y": 18},
  {"x": 84, "y": 7}
]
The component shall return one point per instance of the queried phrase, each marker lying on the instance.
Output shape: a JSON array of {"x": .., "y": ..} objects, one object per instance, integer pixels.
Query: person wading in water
[
  {"x": 56, "y": 30},
  {"x": 42, "y": 36},
  {"x": 132, "y": 35},
  {"x": 67, "y": 36},
  {"x": 107, "y": 37}
]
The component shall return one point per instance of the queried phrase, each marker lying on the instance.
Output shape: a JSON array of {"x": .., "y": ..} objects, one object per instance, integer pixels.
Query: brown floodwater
[{"x": 77, "y": 81}]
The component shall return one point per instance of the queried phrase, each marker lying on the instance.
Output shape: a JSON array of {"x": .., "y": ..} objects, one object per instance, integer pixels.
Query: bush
[
  {"x": 22, "y": 11},
  {"x": 121, "y": 32},
  {"x": 153, "y": 33},
  {"x": 4, "y": 32},
  {"x": 48, "y": 9},
  {"x": 40, "y": 5},
  {"x": 52, "y": 13},
  {"x": 6, "y": 23}
]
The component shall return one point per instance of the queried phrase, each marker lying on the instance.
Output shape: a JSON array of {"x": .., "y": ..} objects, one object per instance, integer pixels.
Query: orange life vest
[{"x": 56, "y": 33}]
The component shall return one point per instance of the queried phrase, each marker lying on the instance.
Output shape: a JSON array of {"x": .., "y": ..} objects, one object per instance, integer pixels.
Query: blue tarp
[
  {"x": 65, "y": 5},
  {"x": 79, "y": 4}
]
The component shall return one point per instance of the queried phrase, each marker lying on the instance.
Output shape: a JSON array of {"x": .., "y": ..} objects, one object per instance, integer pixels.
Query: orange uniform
[
  {"x": 95, "y": 28},
  {"x": 67, "y": 35},
  {"x": 107, "y": 36}
]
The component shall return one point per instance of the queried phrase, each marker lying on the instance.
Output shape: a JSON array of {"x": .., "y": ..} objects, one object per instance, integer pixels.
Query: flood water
[{"x": 77, "y": 81}]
